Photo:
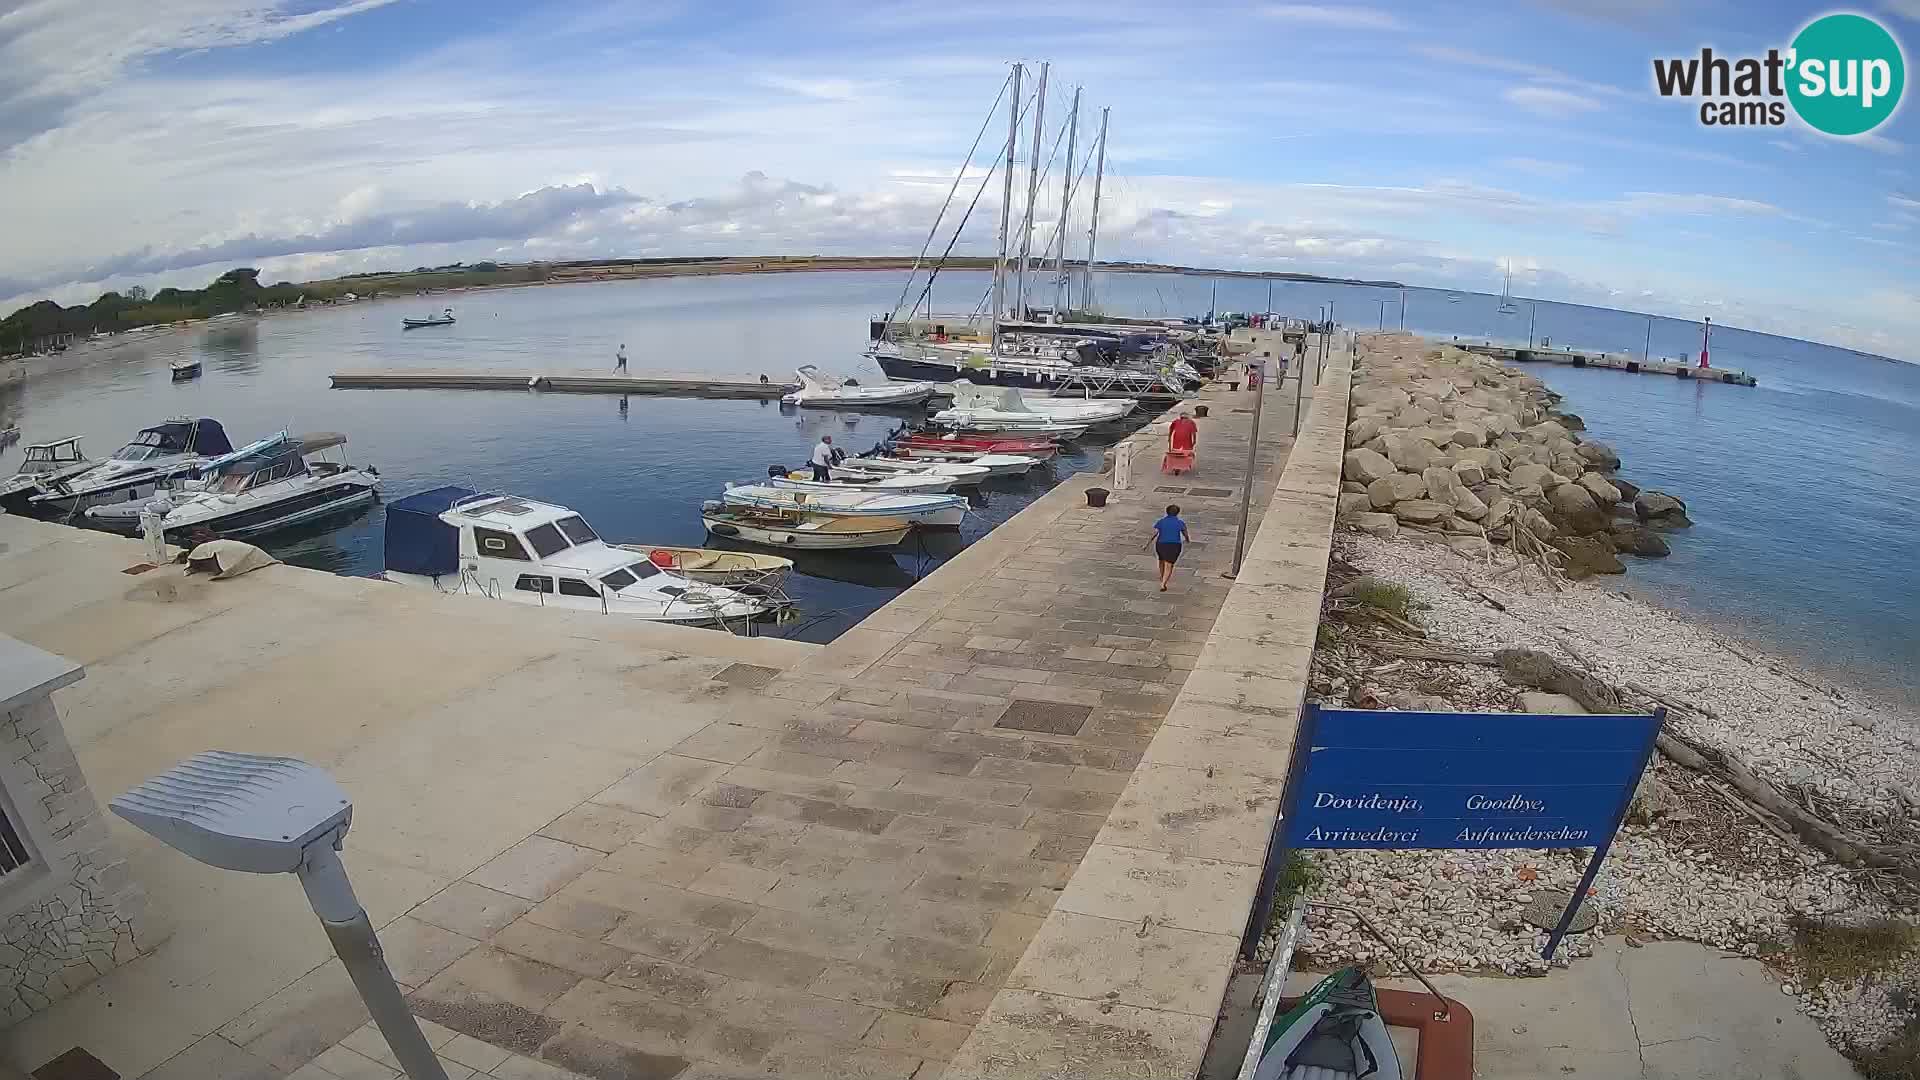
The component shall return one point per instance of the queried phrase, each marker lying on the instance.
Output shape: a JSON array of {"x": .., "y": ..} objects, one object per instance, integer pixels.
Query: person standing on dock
[
  {"x": 620, "y": 359},
  {"x": 1184, "y": 433},
  {"x": 823, "y": 459},
  {"x": 1169, "y": 535}
]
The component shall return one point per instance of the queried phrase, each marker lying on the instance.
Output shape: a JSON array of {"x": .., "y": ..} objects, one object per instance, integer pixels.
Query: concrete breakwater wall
[{"x": 1447, "y": 442}]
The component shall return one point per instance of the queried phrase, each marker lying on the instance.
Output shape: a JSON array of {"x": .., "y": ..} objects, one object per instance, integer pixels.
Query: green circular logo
[{"x": 1847, "y": 74}]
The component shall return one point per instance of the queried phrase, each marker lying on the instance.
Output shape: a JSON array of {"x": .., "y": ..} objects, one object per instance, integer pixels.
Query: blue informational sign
[{"x": 1364, "y": 779}]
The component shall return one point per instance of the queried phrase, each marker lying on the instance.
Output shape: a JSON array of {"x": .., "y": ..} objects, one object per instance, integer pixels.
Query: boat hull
[
  {"x": 796, "y": 537},
  {"x": 686, "y": 614}
]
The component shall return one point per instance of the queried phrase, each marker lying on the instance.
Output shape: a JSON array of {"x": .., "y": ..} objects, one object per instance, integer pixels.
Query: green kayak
[{"x": 1334, "y": 1033}]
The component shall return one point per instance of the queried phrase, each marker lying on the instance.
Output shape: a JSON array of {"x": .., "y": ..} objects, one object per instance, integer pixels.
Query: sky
[{"x": 158, "y": 142}]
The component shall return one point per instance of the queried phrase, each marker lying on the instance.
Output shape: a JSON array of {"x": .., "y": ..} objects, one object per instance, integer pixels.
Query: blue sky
[{"x": 1436, "y": 144}]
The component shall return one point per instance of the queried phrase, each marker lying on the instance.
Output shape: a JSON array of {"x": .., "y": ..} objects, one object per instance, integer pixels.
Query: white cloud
[
  {"x": 1556, "y": 170},
  {"x": 1903, "y": 202},
  {"x": 1694, "y": 203},
  {"x": 1907, "y": 8},
  {"x": 1342, "y": 16},
  {"x": 1550, "y": 101},
  {"x": 1538, "y": 73},
  {"x": 1782, "y": 144}
]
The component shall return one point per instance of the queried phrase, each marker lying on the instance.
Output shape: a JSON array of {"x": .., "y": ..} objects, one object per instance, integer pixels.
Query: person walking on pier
[
  {"x": 620, "y": 359},
  {"x": 823, "y": 459},
  {"x": 1169, "y": 535}
]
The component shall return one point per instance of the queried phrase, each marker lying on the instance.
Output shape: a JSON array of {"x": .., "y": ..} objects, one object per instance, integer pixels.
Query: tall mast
[
  {"x": 1033, "y": 193},
  {"x": 1062, "y": 295},
  {"x": 1006, "y": 209},
  {"x": 1093, "y": 229}
]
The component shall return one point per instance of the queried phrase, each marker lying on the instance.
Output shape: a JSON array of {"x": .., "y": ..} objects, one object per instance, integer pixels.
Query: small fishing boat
[
  {"x": 258, "y": 490},
  {"x": 995, "y": 464},
  {"x": 176, "y": 448},
  {"x": 992, "y": 422},
  {"x": 445, "y": 318},
  {"x": 454, "y": 540},
  {"x": 959, "y": 475},
  {"x": 803, "y": 480},
  {"x": 1008, "y": 399},
  {"x": 936, "y": 511},
  {"x": 1334, "y": 1033},
  {"x": 187, "y": 367},
  {"x": 818, "y": 390},
  {"x": 41, "y": 464},
  {"x": 714, "y": 566},
  {"x": 805, "y": 532},
  {"x": 1040, "y": 449}
]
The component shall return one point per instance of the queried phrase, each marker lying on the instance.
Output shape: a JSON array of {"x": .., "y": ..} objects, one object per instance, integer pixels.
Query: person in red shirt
[{"x": 1184, "y": 433}]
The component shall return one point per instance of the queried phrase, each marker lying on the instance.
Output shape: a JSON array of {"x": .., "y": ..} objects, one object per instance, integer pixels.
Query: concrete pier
[
  {"x": 1612, "y": 362},
  {"x": 602, "y": 849},
  {"x": 576, "y": 382}
]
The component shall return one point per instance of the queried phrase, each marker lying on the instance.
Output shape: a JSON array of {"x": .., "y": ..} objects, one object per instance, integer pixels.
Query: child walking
[{"x": 1169, "y": 534}]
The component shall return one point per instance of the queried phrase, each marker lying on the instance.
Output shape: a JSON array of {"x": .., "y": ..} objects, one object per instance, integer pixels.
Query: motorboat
[
  {"x": 1010, "y": 400},
  {"x": 746, "y": 570},
  {"x": 458, "y": 541},
  {"x": 819, "y": 390},
  {"x": 995, "y": 464},
  {"x": 287, "y": 482},
  {"x": 40, "y": 464},
  {"x": 992, "y": 421},
  {"x": 176, "y": 448},
  {"x": 1040, "y": 449},
  {"x": 187, "y": 367},
  {"x": 445, "y": 318},
  {"x": 803, "y": 480},
  {"x": 959, "y": 475},
  {"x": 937, "y": 511},
  {"x": 802, "y": 532}
]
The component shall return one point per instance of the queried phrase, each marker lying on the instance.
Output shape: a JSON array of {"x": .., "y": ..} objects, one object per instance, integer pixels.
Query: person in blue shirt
[{"x": 1169, "y": 533}]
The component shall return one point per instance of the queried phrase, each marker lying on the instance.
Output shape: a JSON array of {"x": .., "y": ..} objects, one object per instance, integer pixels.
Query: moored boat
[
  {"x": 802, "y": 532},
  {"x": 1040, "y": 449},
  {"x": 445, "y": 318},
  {"x": 804, "y": 481},
  {"x": 40, "y": 464},
  {"x": 958, "y": 474},
  {"x": 1007, "y": 399},
  {"x": 995, "y": 464},
  {"x": 157, "y": 455},
  {"x": 454, "y": 540},
  {"x": 716, "y": 566},
  {"x": 819, "y": 390},
  {"x": 937, "y": 511},
  {"x": 254, "y": 492},
  {"x": 187, "y": 367}
]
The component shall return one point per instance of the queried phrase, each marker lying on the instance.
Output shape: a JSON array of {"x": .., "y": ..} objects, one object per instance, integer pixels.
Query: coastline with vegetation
[{"x": 1781, "y": 819}]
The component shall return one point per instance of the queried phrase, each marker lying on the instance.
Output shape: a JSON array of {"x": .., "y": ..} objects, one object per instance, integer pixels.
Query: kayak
[{"x": 1334, "y": 1033}]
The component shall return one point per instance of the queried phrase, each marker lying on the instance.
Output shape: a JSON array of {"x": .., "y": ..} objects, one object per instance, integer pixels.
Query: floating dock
[
  {"x": 1613, "y": 362},
  {"x": 578, "y": 382}
]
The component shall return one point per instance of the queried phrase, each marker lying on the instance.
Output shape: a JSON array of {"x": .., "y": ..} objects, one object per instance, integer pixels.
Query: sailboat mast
[
  {"x": 1093, "y": 228},
  {"x": 1061, "y": 293},
  {"x": 1033, "y": 193},
  {"x": 1006, "y": 209}
]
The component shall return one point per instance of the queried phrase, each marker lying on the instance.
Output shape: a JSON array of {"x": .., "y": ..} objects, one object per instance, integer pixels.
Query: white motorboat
[
  {"x": 941, "y": 511},
  {"x": 956, "y": 473},
  {"x": 802, "y": 532},
  {"x": 995, "y": 464},
  {"x": 254, "y": 492},
  {"x": 764, "y": 575},
  {"x": 995, "y": 422},
  {"x": 187, "y": 367},
  {"x": 443, "y": 319},
  {"x": 176, "y": 448},
  {"x": 899, "y": 485},
  {"x": 454, "y": 540},
  {"x": 819, "y": 390},
  {"x": 1009, "y": 399},
  {"x": 41, "y": 464}
]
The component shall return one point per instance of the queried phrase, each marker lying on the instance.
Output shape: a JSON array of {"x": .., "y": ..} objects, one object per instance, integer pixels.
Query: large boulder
[
  {"x": 1364, "y": 466},
  {"x": 1408, "y": 453},
  {"x": 1638, "y": 540},
  {"x": 1547, "y": 432},
  {"x": 1628, "y": 492},
  {"x": 1599, "y": 455},
  {"x": 1570, "y": 421},
  {"x": 1392, "y": 397},
  {"x": 1662, "y": 509},
  {"x": 1473, "y": 547},
  {"x": 1354, "y": 504},
  {"x": 1420, "y": 511},
  {"x": 1468, "y": 433},
  {"x": 1492, "y": 461},
  {"x": 1529, "y": 474},
  {"x": 1575, "y": 510},
  {"x": 1413, "y": 416},
  {"x": 1444, "y": 486},
  {"x": 1350, "y": 487},
  {"x": 1385, "y": 525},
  {"x": 1469, "y": 473},
  {"x": 1396, "y": 488},
  {"x": 1588, "y": 555},
  {"x": 1535, "y": 522},
  {"x": 1603, "y": 493},
  {"x": 1364, "y": 429}
]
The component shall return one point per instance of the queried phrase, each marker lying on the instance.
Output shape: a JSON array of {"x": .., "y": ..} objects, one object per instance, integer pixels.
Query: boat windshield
[
  {"x": 576, "y": 529},
  {"x": 234, "y": 483},
  {"x": 628, "y": 574},
  {"x": 619, "y": 579},
  {"x": 547, "y": 540},
  {"x": 136, "y": 452}
]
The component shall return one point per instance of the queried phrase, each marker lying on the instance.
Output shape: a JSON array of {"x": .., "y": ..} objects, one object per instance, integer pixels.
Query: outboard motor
[
  {"x": 778, "y": 470},
  {"x": 838, "y": 455}
]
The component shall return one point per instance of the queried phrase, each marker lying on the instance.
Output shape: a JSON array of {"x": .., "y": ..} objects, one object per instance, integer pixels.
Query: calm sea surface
[{"x": 1807, "y": 533}]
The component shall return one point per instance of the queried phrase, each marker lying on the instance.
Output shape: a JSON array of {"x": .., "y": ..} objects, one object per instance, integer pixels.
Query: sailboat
[{"x": 1507, "y": 306}]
